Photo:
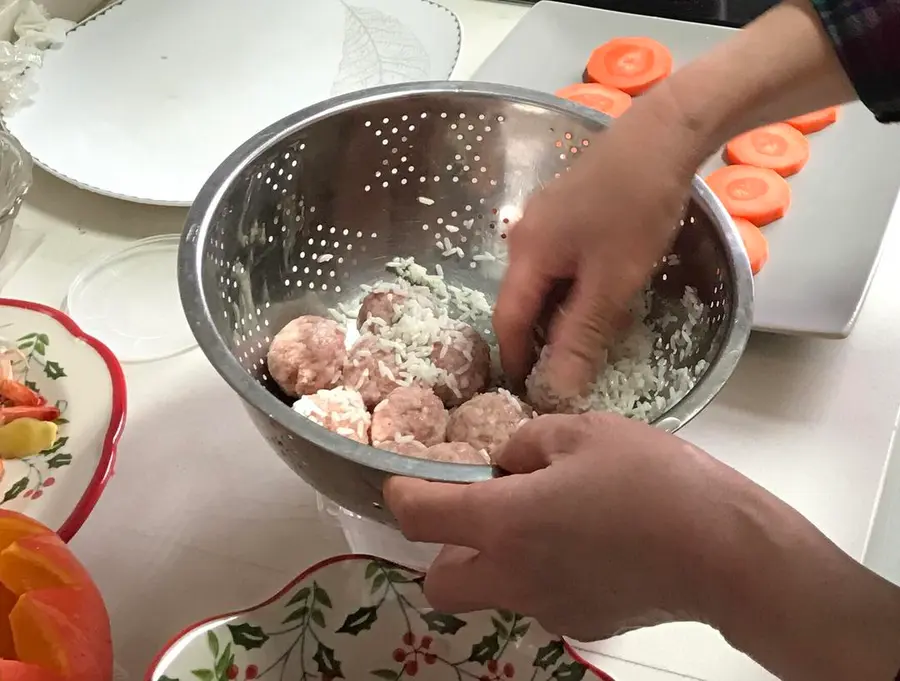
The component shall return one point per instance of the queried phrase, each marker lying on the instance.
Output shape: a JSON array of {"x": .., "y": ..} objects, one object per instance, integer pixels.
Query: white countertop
[{"x": 202, "y": 518}]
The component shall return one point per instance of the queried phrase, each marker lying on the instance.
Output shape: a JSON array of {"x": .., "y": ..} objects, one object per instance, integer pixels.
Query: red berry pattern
[{"x": 489, "y": 656}]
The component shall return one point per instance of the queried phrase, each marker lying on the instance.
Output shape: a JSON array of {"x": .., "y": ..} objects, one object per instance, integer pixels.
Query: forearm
[
  {"x": 781, "y": 65},
  {"x": 800, "y": 606}
]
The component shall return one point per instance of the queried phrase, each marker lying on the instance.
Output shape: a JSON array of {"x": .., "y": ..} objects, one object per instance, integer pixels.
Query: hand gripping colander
[{"x": 311, "y": 208}]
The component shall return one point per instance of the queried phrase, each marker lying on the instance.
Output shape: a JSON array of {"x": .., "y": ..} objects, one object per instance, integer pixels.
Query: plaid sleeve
[{"x": 866, "y": 37}]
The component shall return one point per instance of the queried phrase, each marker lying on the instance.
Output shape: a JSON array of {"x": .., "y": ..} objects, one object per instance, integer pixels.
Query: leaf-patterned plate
[
  {"x": 190, "y": 60},
  {"x": 358, "y": 617},
  {"x": 60, "y": 486}
]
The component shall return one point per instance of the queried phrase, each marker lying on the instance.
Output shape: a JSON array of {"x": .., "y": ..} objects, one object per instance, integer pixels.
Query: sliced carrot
[
  {"x": 631, "y": 65},
  {"x": 814, "y": 120},
  {"x": 755, "y": 243},
  {"x": 600, "y": 97},
  {"x": 759, "y": 195},
  {"x": 778, "y": 147}
]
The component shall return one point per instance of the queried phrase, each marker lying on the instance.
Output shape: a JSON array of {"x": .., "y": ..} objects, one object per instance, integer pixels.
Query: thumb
[
  {"x": 541, "y": 441},
  {"x": 579, "y": 337}
]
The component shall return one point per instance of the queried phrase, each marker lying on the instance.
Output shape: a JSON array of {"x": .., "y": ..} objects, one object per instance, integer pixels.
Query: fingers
[
  {"x": 460, "y": 580},
  {"x": 580, "y": 335},
  {"x": 518, "y": 307},
  {"x": 541, "y": 441},
  {"x": 438, "y": 512}
]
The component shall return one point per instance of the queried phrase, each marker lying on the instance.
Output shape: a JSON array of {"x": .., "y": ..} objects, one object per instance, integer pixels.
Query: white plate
[
  {"x": 145, "y": 100},
  {"x": 77, "y": 373},
  {"x": 823, "y": 253}
]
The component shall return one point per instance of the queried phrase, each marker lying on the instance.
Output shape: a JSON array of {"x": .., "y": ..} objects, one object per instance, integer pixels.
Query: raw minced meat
[
  {"x": 307, "y": 355},
  {"x": 411, "y": 411},
  {"x": 465, "y": 362},
  {"x": 372, "y": 369},
  {"x": 488, "y": 420},
  {"x": 456, "y": 452},
  {"x": 404, "y": 447}
]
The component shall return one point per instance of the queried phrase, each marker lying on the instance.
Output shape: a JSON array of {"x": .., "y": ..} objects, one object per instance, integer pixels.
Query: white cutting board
[{"x": 145, "y": 100}]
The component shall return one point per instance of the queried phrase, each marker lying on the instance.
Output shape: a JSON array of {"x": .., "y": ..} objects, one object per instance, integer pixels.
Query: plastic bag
[
  {"x": 36, "y": 32},
  {"x": 15, "y": 86},
  {"x": 373, "y": 539}
]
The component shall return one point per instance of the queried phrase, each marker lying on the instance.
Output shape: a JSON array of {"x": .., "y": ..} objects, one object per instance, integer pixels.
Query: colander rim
[{"x": 204, "y": 207}]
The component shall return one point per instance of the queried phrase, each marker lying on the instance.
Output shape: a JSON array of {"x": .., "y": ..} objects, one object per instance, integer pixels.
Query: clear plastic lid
[{"x": 130, "y": 302}]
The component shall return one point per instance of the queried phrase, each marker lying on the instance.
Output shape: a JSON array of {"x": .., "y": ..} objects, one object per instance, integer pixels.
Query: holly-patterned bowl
[
  {"x": 358, "y": 617},
  {"x": 60, "y": 486}
]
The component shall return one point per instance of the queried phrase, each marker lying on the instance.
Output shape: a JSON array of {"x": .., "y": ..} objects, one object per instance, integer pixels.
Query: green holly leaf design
[
  {"x": 321, "y": 596},
  {"x": 166, "y": 678},
  {"x": 396, "y": 577},
  {"x": 13, "y": 492},
  {"x": 298, "y": 614},
  {"x": 549, "y": 655},
  {"x": 569, "y": 671},
  {"x": 318, "y": 617},
  {"x": 359, "y": 620},
  {"x": 500, "y": 627},
  {"x": 300, "y": 596},
  {"x": 204, "y": 674},
  {"x": 506, "y": 615},
  {"x": 59, "y": 444},
  {"x": 372, "y": 570},
  {"x": 326, "y": 662},
  {"x": 386, "y": 674},
  {"x": 378, "y": 582},
  {"x": 24, "y": 339},
  {"x": 53, "y": 371},
  {"x": 59, "y": 460},
  {"x": 31, "y": 385},
  {"x": 213, "y": 642},
  {"x": 224, "y": 663},
  {"x": 39, "y": 347},
  {"x": 247, "y": 636},
  {"x": 442, "y": 623},
  {"x": 486, "y": 649},
  {"x": 43, "y": 338},
  {"x": 519, "y": 630}
]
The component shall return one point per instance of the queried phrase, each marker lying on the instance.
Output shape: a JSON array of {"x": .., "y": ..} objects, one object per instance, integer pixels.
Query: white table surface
[{"x": 202, "y": 518}]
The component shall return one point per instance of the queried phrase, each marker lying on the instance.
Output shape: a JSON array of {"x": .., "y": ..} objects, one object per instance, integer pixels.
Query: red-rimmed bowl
[
  {"x": 60, "y": 486},
  {"x": 359, "y": 617}
]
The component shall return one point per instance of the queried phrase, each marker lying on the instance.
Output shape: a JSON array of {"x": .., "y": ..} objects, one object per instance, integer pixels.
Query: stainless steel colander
[{"x": 381, "y": 173}]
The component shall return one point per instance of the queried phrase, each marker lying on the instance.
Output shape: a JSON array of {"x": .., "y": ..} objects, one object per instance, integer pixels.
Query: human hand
[
  {"x": 601, "y": 226},
  {"x": 605, "y": 524}
]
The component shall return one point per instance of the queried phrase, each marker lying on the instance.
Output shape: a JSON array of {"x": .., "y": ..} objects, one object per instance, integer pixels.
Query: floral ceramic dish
[
  {"x": 358, "y": 617},
  {"x": 60, "y": 486}
]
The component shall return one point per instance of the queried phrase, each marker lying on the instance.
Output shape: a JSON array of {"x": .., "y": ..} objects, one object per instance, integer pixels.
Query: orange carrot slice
[
  {"x": 814, "y": 120},
  {"x": 755, "y": 243},
  {"x": 759, "y": 195},
  {"x": 631, "y": 65},
  {"x": 600, "y": 97},
  {"x": 778, "y": 147}
]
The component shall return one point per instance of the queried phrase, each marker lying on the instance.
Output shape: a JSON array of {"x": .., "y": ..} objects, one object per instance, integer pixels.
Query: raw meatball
[
  {"x": 371, "y": 368},
  {"x": 340, "y": 410},
  {"x": 543, "y": 398},
  {"x": 406, "y": 448},
  {"x": 467, "y": 361},
  {"x": 456, "y": 452},
  {"x": 381, "y": 305},
  {"x": 487, "y": 421},
  {"x": 410, "y": 411},
  {"x": 307, "y": 355}
]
